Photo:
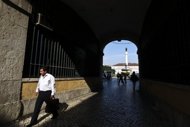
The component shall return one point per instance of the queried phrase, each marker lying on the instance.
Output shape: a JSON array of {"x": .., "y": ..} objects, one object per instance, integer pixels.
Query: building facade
[{"x": 120, "y": 67}]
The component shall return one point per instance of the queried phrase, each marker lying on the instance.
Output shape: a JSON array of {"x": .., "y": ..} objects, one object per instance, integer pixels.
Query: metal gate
[{"x": 44, "y": 48}]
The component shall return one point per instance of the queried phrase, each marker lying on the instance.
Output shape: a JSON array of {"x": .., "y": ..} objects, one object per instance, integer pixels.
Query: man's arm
[
  {"x": 37, "y": 88},
  {"x": 52, "y": 86}
]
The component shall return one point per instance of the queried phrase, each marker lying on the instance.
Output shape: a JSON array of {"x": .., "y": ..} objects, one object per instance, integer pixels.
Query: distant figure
[
  {"x": 125, "y": 78},
  {"x": 104, "y": 75},
  {"x": 134, "y": 79},
  {"x": 108, "y": 75},
  {"x": 120, "y": 78}
]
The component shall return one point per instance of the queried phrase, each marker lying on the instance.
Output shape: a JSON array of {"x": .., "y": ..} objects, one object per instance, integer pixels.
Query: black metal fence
[{"x": 44, "y": 49}]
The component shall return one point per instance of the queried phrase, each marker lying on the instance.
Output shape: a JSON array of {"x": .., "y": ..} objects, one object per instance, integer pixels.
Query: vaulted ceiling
[{"x": 112, "y": 19}]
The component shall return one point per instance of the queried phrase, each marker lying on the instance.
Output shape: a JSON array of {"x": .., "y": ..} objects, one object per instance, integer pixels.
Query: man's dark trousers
[{"x": 43, "y": 96}]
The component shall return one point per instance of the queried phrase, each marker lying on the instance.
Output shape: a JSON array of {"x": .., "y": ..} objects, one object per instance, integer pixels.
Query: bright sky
[{"x": 115, "y": 53}]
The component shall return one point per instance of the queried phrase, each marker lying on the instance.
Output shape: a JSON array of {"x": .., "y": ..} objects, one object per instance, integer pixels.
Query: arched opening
[{"x": 120, "y": 57}]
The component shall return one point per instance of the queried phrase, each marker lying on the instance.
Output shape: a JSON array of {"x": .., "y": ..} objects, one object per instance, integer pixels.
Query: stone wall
[
  {"x": 13, "y": 33},
  {"x": 66, "y": 89},
  {"x": 17, "y": 96},
  {"x": 170, "y": 101}
]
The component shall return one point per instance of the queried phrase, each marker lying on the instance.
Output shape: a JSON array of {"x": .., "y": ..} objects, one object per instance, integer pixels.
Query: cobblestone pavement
[{"x": 116, "y": 106}]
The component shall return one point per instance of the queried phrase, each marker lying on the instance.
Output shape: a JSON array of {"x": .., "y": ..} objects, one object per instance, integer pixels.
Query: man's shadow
[{"x": 62, "y": 107}]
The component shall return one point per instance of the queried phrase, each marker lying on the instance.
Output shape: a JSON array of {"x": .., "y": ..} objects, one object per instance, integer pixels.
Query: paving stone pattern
[{"x": 116, "y": 106}]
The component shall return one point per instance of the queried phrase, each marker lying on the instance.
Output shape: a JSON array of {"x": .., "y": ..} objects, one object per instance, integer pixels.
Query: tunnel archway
[{"x": 121, "y": 56}]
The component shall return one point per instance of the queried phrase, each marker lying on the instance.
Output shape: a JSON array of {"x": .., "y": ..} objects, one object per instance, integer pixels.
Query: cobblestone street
[{"x": 116, "y": 106}]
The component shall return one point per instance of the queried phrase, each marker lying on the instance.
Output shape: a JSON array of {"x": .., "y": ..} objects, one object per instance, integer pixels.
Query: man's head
[{"x": 43, "y": 71}]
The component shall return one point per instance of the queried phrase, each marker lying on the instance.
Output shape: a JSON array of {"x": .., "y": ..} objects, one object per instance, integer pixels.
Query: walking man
[
  {"x": 134, "y": 79},
  {"x": 45, "y": 90},
  {"x": 120, "y": 79}
]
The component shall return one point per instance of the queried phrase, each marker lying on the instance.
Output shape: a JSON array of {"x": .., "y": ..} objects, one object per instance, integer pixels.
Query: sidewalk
[
  {"x": 116, "y": 106},
  {"x": 45, "y": 118}
]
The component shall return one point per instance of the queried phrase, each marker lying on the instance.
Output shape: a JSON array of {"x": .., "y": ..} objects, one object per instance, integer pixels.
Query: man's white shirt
[{"x": 45, "y": 83}]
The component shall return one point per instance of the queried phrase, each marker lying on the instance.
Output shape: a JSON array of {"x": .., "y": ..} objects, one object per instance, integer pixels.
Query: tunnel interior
[
  {"x": 163, "y": 47},
  {"x": 71, "y": 47},
  {"x": 71, "y": 33},
  {"x": 164, "y": 43}
]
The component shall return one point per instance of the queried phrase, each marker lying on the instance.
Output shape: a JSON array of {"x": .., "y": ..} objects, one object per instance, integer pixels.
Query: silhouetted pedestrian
[
  {"x": 125, "y": 78},
  {"x": 120, "y": 78},
  {"x": 134, "y": 79},
  {"x": 108, "y": 75}
]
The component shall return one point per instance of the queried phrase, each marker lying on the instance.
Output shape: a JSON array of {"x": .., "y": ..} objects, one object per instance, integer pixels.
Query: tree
[{"x": 107, "y": 68}]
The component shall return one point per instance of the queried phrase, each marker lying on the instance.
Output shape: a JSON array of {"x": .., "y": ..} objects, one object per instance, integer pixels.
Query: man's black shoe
[
  {"x": 54, "y": 116},
  {"x": 31, "y": 124}
]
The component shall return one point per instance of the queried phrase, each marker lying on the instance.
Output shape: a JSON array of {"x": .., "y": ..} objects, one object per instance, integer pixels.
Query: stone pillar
[{"x": 13, "y": 29}]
